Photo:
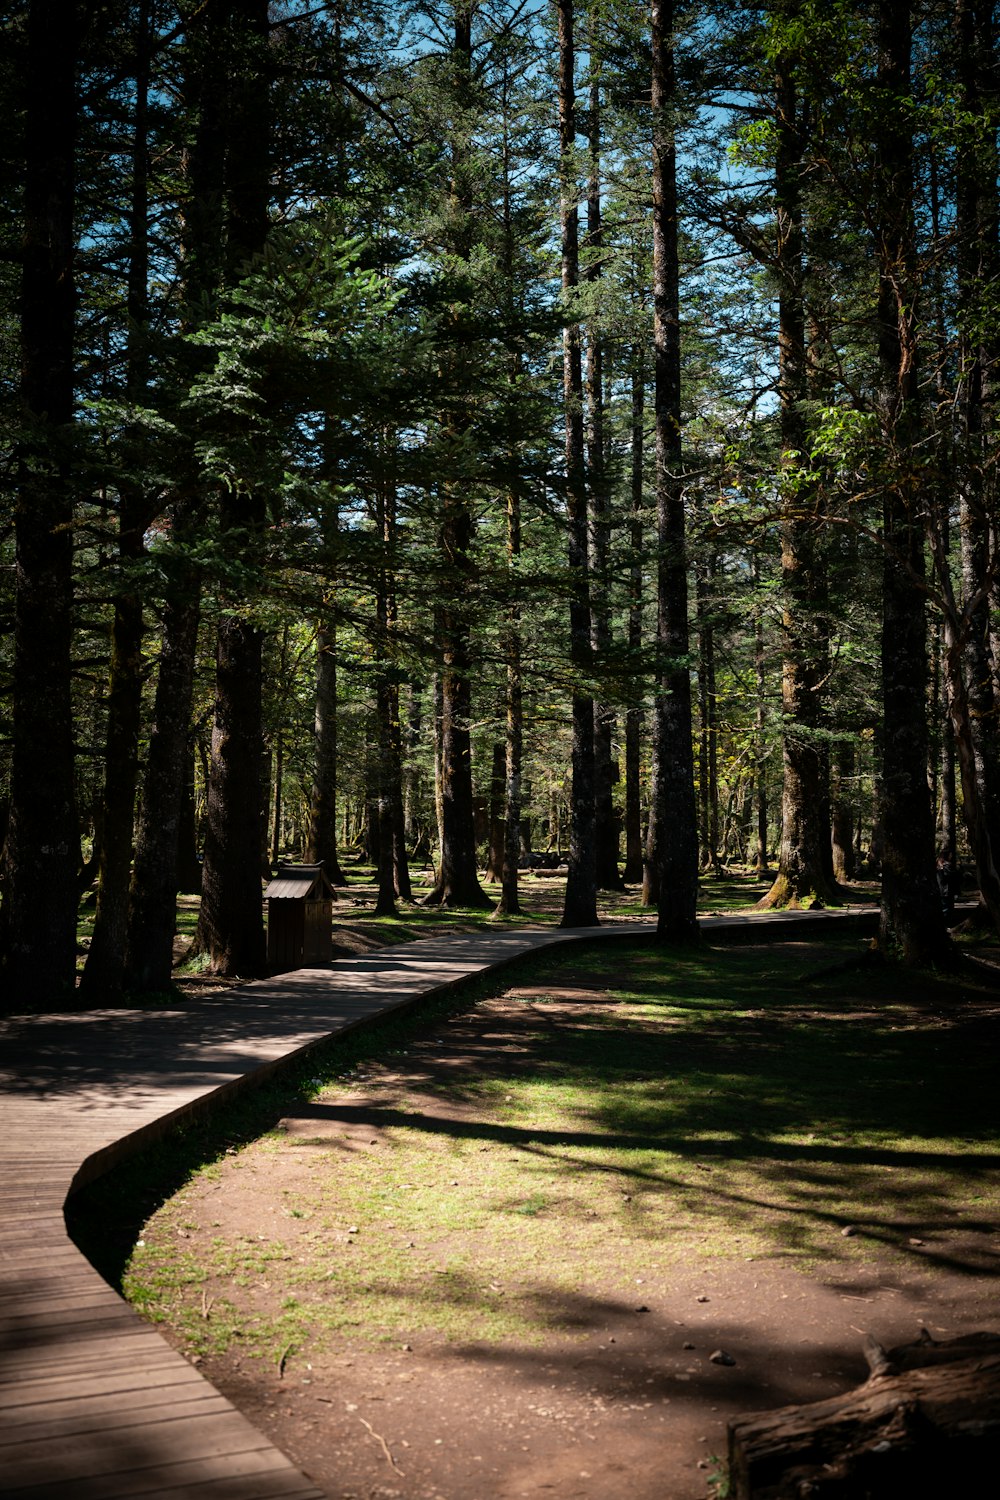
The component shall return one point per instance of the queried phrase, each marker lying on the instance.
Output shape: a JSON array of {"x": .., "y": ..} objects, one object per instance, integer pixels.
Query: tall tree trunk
[
  {"x": 761, "y": 863},
  {"x": 708, "y": 738},
  {"x": 509, "y": 903},
  {"x": 978, "y": 269},
  {"x": 188, "y": 861},
  {"x": 633, "y": 716},
  {"x": 277, "y": 798},
  {"x": 912, "y": 921},
  {"x": 43, "y": 843},
  {"x": 580, "y": 905},
  {"x": 676, "y": 838},
  {"x": 606, "y": 822},
  {"x": 104, "y": 970},
  {"x": 321, "y": 843},
  {"x": 804, "y": 856},
  {"x": 152, "y": 898},
  {"x": 393, "y": 871},
  {"x": 946, "y": 826},
  {"x": 495, "y": 832},
  {"x": 842, "y": 829},
  {"x": 400, "y": 857},
  {"x": 385, "y": 904},
  {"x": 458, "y": 876},
  {"x": 230, "y": 926}
]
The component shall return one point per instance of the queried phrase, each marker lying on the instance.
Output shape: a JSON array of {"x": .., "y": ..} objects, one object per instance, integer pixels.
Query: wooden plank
[
  {"x": 68, "y": 1379},
  {"x": 133, "y": 1461},
  {"x": 43, "y": 1401},
  {"x": 72, "y": 1420}
]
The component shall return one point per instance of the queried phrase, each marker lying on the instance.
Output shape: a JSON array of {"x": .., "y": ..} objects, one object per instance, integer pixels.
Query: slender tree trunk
[
  {"x": 105, "y": 967},
  {"x": 103, "y": 973},
  {"x": 946, "y": 832},
  {"x": 676, "y": 839},
  {"x": 509, "y": 903},
  {"x": 415, "y": 829},
  {"x": 393, "y": 872},
  {"x": 606, "y": 823},
  {"x": 804, "y": 858},
  {"x": 976, "y": 814},
  {"x": 580, "y": 906},
  {"x": 321, "y": 843},
  {"x": 760, "y": 734},
  {"x": 385, "y": 905},
  {"x": 912, "y": 921},
  {"x": 842, "y": 831},
  {"x": 43, "y": 842},
  {"x": 978, "y": 269},
  {"x": 495, "y": 837},
  {"x": 400, "y": 857},
  {"x": 458, "y": 875},
  {"x": 166, "y": 812},
  {"x": 633, "y": 717},
  {"x": 708, "y": 747},
  {"x": 188, "y": 862},
  {"x": 152, "y": 900},
  {"x": 277, "y": 807}
]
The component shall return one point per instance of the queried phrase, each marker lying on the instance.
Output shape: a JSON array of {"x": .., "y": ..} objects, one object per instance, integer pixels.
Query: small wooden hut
[{"x": 299, "y": 917}]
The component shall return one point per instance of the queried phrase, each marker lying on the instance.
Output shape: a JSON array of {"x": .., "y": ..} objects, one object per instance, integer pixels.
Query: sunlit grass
[{"x": 677, "y": 1109}]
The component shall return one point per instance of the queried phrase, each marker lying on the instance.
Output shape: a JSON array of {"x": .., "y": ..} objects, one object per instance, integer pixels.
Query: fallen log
[{"x": 925, "y": 1424}]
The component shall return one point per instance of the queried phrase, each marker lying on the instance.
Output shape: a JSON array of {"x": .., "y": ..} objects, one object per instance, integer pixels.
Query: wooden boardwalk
[{"x": 94, "y": 1404}]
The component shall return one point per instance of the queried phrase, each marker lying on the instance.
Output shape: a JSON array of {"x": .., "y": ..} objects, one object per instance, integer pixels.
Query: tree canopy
[{"x": 476, "y": 428}]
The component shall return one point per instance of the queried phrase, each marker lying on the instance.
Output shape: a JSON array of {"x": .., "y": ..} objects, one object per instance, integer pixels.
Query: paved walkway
[{"x": 93, "y": 1403}]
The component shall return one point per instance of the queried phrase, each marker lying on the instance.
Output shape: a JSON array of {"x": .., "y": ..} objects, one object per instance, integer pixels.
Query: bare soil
[{"x": 628, "y": 1388}]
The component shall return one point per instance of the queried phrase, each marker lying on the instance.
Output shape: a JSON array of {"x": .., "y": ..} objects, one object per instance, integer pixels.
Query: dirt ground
[
  {"x": 628, "y": 1392},
  {"x": 632, "y": 1406}
]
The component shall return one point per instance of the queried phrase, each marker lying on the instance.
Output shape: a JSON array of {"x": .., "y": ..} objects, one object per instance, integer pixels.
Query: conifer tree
[{"x": 42, "y": 845}]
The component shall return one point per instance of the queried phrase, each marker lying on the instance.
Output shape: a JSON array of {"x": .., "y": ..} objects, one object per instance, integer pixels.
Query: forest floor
[{"x": 547, "y": 1237}]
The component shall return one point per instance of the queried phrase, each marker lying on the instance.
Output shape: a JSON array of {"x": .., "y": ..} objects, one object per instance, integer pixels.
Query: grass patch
[{"x": 594, "y": 1120}]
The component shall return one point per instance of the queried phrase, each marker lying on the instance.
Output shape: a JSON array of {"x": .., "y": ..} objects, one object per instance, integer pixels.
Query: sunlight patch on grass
[{"x": 689, "y": 1108}]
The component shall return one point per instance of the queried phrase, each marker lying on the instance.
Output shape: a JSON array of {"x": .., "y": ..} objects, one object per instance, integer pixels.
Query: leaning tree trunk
[
  {"x": 580, "y": 905},
  {"x": 675, "y": 812},
  {"x": 43, "y": 842}
]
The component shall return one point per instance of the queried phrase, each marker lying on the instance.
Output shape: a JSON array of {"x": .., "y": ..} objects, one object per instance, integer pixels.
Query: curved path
[{"x": 94, "y": 1404}]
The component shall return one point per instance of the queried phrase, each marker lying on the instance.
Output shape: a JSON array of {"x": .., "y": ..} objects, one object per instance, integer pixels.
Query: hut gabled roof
[{"x": 300, "y": 883}]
